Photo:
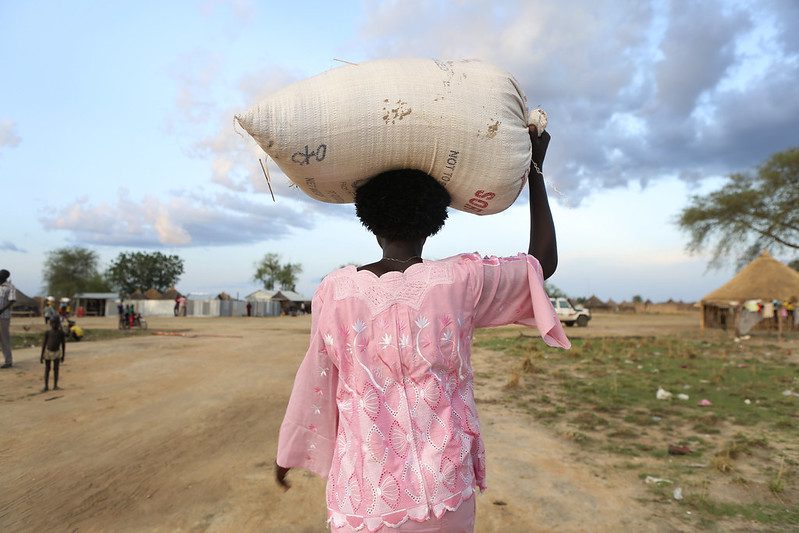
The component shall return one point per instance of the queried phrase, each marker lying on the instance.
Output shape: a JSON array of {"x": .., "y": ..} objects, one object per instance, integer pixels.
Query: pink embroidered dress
[{"x": 383, "y": 403}]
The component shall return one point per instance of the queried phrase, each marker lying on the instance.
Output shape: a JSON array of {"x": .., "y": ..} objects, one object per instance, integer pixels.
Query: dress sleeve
[
  {"x": 308, "y": 432},
  {"x": 510, "y": 290}
]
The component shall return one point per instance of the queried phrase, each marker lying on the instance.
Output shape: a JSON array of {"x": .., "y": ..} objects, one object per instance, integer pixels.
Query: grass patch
[
  {"x": 613, "y": 373},
  {"x": 601, "y": 396},
  {"x": 765, "y": 513}
]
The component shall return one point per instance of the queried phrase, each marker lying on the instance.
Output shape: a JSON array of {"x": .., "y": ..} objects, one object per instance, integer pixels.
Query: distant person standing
[
  {"x": 8, "y": 295},
  {"x": 49, "y": 310},
  {"x": 54, "y": 349},
  {"x": 249, "y": 309},
  {"x": 177, "y": 305}
]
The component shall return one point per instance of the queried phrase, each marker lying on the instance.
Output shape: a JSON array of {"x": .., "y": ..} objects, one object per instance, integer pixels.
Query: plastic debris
[
  {"x": 663, "y": 394},
  {"x": 677, "y": 494},
  {"x": 704, "y": 403},
  {"x": 676, "y": 449},
  {"x": 748, "y": 401},
  {"x": 656, "y": 419},
  {"x": 683, "y": 396},
  {"x": 650, "y": 480},
  {"x": 790, "y": 393}
]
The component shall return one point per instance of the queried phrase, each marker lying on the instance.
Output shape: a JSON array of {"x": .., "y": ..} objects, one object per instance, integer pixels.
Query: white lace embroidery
[{"x": 380, "y": 293}]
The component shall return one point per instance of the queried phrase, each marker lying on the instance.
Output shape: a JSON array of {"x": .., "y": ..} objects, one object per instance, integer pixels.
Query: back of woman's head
[{"x": 402, "y": 205}]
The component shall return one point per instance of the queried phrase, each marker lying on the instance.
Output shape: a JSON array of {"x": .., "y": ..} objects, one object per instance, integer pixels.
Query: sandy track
[{"x": 175, "y": 433}]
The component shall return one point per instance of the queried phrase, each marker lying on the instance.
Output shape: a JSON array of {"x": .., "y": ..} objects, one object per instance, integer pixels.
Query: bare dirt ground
[{"x": 178, "y": 433}]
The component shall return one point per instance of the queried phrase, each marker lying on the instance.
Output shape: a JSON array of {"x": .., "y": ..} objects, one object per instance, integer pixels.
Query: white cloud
[
  {"x": 9, "y": 138},
  {"x": 635, "y": 91},
  {"x": 9, "y": 246},
  {"x": 183, "y": 219}
]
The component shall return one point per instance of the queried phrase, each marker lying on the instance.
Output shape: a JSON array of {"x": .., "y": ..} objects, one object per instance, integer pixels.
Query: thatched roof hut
[
  {"x": 171, "y": 293},
  {"x": 764, "y": 278},
  {"x": 152, "y": 294},
  {"x": 24, "y": 305}
]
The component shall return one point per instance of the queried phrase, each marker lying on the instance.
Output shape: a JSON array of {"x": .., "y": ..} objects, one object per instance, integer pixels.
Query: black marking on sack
[
  {"x": 449, "y": 168},
  {"x": 304, "y": 157},
  {"x": 310, "y": 183}
]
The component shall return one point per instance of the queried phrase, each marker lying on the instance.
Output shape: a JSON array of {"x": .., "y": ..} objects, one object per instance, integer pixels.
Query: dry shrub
[
  {"x": 722, "y": 462},
  {"x": 513, "y": 382},
  {"x": 777, "y": 485},
  {"x": 575, "y": 436},
  {"x": 740, "y": 444},
  {"x": 528, "y": 367}
]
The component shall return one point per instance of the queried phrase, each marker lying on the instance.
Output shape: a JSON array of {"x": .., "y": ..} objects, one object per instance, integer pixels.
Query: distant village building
[
  {"x": 96, "y": 303},
  {"x": 755, "y": 289},
  {"x": 273, "y": 303},
  {"x": 25, "y": 305}
]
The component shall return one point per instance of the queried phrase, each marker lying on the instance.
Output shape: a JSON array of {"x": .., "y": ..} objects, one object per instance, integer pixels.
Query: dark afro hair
[{"x": 402, "y": 205}]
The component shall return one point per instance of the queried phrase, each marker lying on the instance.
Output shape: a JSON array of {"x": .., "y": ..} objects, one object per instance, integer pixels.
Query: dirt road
[{"x": 175, "y": 433}]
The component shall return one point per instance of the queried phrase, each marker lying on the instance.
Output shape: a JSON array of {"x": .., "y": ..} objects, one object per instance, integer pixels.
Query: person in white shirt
[{"x": 8, "y": 295}]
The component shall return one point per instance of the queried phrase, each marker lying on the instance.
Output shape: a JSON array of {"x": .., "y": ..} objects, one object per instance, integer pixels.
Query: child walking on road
[{"x": 54, "y": 349}]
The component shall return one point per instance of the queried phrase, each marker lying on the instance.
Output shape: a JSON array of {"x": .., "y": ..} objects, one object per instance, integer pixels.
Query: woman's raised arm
[{"x": 543, "y": 245}]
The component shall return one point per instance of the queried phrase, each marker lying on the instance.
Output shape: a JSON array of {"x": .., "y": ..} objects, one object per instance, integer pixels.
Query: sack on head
[{"x": 462, "y": 122}]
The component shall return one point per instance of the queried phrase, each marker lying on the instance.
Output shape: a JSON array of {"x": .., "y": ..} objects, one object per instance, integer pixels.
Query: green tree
[
  {"x": 72, "y": 270},
  {"x": 270, "y": 272},
  {"x": 794, "y": 264},
  {"x": 751, "y": 212},
  {"x": 638, "y": 299},
  {"x": 132, "y": 271}
]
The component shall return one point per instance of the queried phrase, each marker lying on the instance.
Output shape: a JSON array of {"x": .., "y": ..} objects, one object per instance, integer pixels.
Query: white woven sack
[{"x": 462, "y": 122}]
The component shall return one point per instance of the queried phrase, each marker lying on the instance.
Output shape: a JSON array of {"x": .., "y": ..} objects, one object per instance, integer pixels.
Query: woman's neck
[
  {"x": 402, "y": 250},
  {"x": 397, "y": 256}
]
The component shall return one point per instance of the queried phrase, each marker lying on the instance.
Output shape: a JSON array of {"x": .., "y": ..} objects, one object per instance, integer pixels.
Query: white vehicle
[{"x": 570, "y": 315}]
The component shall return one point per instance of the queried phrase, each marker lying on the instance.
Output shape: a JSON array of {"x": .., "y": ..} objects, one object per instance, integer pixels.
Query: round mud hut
[{"x": 764, "y": 279}]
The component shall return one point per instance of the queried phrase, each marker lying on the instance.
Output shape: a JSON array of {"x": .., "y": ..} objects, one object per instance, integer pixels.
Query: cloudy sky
[{"x": 116, "y": 128}]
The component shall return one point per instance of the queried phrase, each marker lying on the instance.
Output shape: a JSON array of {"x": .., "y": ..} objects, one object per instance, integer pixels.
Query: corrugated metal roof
[
  {"x": 261, "y": 295},
  {"x": 265, "y": 295},
  {"x": 98, "y": 295},
  {"x": 294, "y": 296}
]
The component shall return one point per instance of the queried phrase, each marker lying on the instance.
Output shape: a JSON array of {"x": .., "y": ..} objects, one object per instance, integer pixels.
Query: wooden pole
[{"x": 702, "y": 317}]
